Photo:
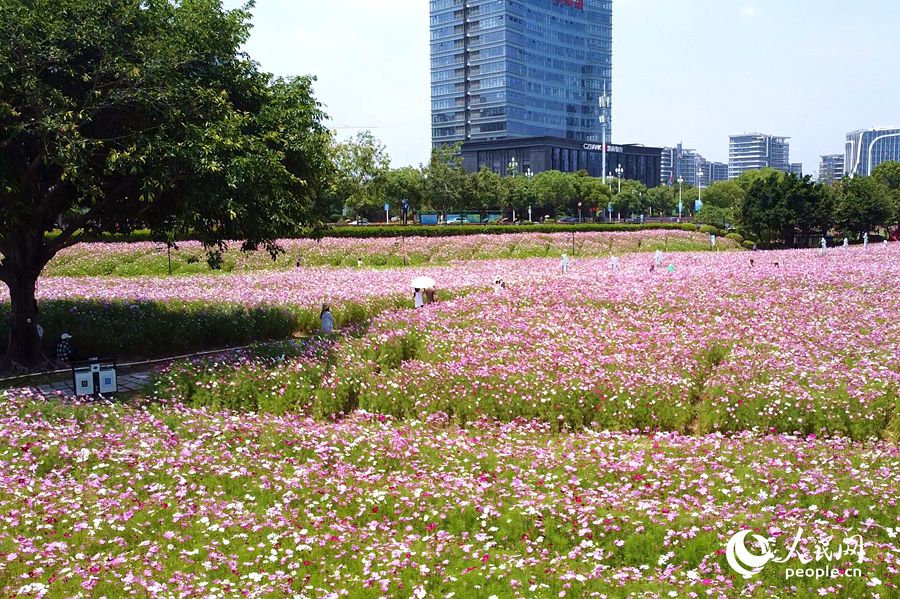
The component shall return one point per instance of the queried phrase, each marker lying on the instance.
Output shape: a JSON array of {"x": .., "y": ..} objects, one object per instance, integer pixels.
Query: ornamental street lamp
[
  {"x": 680, "y": 201},
  {"x": 699, "y": 188},
  {"x": 619, "y": 171},
  {"x": 579, "y": 212},
  {"x": 512, "y": 167}
]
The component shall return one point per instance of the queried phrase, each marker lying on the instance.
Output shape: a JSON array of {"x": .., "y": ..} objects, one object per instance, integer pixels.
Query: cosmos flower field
[
  {"x": 151, "y": 259},
  {"x": 600, "y": 433}
]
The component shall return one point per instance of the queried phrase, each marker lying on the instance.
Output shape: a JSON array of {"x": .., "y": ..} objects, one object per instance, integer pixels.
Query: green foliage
[
  {"x": 554, "y": 190},
  {"x": 725, "y": 195},
  {"x": 145, "y": 114},
  {"x": 662, "y": 200},
  {"x": 748, "y": 244},
  {"x": 864, "y": 204},
  {"x": 715, "y": 216},
  {"x": 361, "y": 163},
  {"x": 407, "y": 183},
  {"x": 459, "y": 230},
  {"x": 446, "y": 179},
  {"x": 736, "y": 237},
  {"x": 154, "y": 329},
  {"x": 485, "y": 190}
]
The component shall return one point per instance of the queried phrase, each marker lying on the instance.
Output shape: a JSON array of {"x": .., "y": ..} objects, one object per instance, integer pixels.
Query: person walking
[
  {"x": 823, "y": 246},
  {"x": 430, "y": 296},
  {"x": 327, "y": 319},
  {"x": 564, "y": 264},
  {"x": 614, "y": 263},
  {"x": 658, "y": 258},
  {"x": 846, "y": 243},
  {"x": 418, "y": 298}
]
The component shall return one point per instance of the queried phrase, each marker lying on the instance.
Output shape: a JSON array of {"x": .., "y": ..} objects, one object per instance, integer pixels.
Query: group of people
[
  {"x": 614, "y": 263},
  {"x": 422, "y": 297}
]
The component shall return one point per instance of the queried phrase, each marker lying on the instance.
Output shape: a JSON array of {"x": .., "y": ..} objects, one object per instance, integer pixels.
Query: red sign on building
[{"x": 579, "y": 4}]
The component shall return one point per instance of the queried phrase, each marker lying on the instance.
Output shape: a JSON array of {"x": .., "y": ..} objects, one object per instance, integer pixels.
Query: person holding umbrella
[{"x": 420, "y": 285}]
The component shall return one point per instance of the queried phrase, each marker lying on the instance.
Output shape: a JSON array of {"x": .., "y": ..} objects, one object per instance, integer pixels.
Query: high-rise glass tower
[
  {"x": 868, "y": 148},
  {"x": 519, "y": 68}
]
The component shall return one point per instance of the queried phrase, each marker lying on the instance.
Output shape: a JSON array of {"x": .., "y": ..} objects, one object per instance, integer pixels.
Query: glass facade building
[
  {"x": 755, "y": 151},
  {"x": 866, "y": 149},
  {"x": 831, "y": 168},
  {"x": 518, "y": 68}
]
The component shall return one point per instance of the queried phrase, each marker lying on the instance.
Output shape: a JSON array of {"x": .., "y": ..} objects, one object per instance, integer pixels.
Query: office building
[
  {"x": 797, "y": 169},
  {"x": 678, "y": 163},
  {"x": 519, "y": 69},
  {"x": 755, "y": 151},
  {"x": 716, "y": 171},
  {"x": 866, "y": 149},
  {"x": 537, "y": 154},
  {"x": 831, "y": 168}
]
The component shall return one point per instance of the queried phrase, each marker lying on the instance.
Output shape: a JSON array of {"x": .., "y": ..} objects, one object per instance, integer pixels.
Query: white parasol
[{"x": 423, "y": 283}]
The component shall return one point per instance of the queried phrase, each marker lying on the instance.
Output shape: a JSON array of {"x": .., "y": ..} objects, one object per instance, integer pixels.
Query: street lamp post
[
  {"x": 529, "y": 174},
  {"x": 619, "y": 171},
  {"x": 680, "y": 199},
  {"x": 579, "y": 212},
  {"x": 699, "y": 188},
  {"x": 512, "y": 167},
  {"x": 604, "y": 126}
]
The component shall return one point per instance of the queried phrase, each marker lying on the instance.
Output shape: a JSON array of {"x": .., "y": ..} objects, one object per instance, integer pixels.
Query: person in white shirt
[
  {"x": 564, "y": 264},
  {"x": 418, "y": 298}
]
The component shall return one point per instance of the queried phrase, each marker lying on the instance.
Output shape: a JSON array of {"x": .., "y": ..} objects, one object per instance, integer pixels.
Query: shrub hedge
[
  {"x": 133, "y": 329},
  {"x": 375, "y": 231},
  {"x": 460, "y": 230}
]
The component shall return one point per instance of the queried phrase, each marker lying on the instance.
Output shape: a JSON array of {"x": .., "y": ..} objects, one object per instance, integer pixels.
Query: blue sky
[{"x": 692, "y": 71}]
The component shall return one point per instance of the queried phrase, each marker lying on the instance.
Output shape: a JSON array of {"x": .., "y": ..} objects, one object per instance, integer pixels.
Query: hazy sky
[{"x": 690, "y": 70}]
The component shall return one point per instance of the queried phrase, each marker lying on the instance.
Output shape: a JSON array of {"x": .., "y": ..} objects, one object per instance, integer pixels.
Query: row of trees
[
  {"x": 364, "y": 181},
  {"x": 775, "y": 208},
  {"x": 769, "y": 206}
]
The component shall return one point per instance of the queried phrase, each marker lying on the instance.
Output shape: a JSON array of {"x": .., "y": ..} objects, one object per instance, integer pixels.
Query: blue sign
[
  {"x": 697, "y": 205},
  {"x": 387, "y": 207}
]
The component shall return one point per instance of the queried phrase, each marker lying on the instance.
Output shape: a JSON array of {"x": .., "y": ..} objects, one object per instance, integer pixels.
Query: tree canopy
[{"x": 146, "y": 113}]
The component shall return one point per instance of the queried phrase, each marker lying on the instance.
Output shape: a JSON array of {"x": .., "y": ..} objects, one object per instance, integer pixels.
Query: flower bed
[
  {"x": 151, "y": 259},
  {"x": 169, "y": 501},
  {"x": 810, "y": 345}
]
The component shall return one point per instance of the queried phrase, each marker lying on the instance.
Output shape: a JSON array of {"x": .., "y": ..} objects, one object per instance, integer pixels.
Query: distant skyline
[{"x": 695, "y": 71}]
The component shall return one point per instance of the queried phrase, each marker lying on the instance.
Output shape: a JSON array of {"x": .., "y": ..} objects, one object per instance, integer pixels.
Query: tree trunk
[
  {"x": 24, "y": 344},
  {"x": 27, "y": 256}
]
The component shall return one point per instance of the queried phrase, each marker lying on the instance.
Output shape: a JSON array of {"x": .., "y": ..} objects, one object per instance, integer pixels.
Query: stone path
[{"x": 127, "y": 383}]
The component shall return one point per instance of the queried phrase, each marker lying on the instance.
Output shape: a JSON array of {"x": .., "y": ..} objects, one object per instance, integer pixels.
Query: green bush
[
  {"x": 735, "y": 237},
  {"x": 709, "y": 229},
  {"x": 154, "y": 329},
  {"x": 749, "y": 244}
]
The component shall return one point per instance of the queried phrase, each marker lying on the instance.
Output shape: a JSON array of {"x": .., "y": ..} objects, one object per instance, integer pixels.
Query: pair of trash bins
[{"x": 95, "y": 377}]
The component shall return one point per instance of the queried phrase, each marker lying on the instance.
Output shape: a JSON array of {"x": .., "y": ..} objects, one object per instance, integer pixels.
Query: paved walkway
[{"x": 127, "y": 383}]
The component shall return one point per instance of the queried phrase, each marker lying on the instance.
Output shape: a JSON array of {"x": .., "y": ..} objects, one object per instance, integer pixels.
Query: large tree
[
  {"x": 123, "y": 113},
  {"x": 863, "y": 205},
  {"x": 360, "y": 164},
  {"x": 888, "y": 174},
  {"x": 446, "y": 180}
]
